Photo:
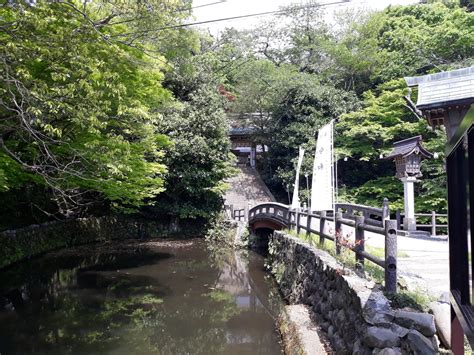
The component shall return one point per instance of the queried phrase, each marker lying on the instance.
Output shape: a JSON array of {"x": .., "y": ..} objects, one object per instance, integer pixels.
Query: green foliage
[
  {"x": 87, "y": 123},
  {"x": 422, "y": 36},
  {"x": 220, "y": 232},
  {"x": 399, "y": 41},
  {"x": 374, "y": 191},
  {"x": 306, "y": 106},
  {"x": 199, "y": 156},
  {"x": 100, "y": 110},
  {"x": 417, "y": 300},
  {"x": 78, "y": 112},
  {"x": 367, "y": 54},
  {"x": 365, "y": 134}
]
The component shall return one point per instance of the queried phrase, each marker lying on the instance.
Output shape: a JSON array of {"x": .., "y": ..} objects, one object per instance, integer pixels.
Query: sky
[{"x": 229, "y": 8}]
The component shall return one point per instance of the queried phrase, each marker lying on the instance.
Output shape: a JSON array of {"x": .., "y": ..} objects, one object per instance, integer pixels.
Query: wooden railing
[
  {"x": 237, "y": 214},
  {"x": 372, "y": 215},
  {"x": 355, "y": 219},
  {"x": 240, "y": 214},
  {"x": 433, "y": 218}
]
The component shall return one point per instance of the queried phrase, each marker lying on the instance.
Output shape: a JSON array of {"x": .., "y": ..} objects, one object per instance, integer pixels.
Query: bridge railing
[
  {"x": 349, "y": 221},
  {"x": 270, "y": 210}
]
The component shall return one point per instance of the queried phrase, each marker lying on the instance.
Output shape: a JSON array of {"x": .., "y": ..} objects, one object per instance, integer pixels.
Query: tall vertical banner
[
  {"x": 295, "y": 202},
  {"x": 322, "y": 189}
]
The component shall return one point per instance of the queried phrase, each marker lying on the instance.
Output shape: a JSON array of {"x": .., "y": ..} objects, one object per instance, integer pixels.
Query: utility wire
[
  {"x": 178, "y": 10},
  {"x": 249, "y": 15},
  {"x": 241, "y": 16},
  {"x": 210, "y": 4}
]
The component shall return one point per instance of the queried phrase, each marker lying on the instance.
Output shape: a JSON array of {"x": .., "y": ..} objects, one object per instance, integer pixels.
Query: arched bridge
[
  {"x": 269, "y": 215},
  {"x": 276, "y": 216}
]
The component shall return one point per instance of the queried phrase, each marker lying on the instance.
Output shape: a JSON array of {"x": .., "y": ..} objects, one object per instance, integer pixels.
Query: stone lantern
[{"x": 408, "y": 155}]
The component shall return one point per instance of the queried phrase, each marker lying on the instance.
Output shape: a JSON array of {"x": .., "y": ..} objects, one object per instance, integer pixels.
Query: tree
[
  {"x": 198, "y": 158},
  {"x": 306, "y": 107},
  {"x": 409, "y": 40},
  {"x": 295, "y": 36},
  {"x": 367, "y": 54},
  {"x": 364, "y": 134},
  {"x": 259, "y": 87},
  {"x": 78, "y": 113}
]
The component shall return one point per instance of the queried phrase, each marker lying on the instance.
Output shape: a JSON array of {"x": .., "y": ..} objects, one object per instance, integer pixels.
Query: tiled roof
[
  {"x": 241, "y": 131},
  {"x": 444, "y": 89},
  {"x": 407, "y": 146}
]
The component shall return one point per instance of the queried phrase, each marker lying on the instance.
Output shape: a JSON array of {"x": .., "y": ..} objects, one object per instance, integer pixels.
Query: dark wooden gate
[{"x": 460, "y": 170}]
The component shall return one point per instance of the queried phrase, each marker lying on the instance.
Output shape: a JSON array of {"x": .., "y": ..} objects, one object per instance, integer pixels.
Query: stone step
[
  {"x": 246, "y": 188},
  {"x": 414, "y": 234}
]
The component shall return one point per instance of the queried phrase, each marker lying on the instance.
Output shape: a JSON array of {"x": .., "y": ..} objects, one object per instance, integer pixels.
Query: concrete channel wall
[{"x": 352, "y": 311}]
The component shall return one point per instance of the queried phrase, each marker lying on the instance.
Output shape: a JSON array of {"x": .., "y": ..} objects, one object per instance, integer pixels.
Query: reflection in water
[{"x": 139, "y": 298}]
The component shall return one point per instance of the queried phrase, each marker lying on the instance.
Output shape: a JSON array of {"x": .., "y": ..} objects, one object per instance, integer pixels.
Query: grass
[
  {"x": 380, "y": 252},
  {"x": 418, "y": 299},
  {"x": 346, "y": 257}
]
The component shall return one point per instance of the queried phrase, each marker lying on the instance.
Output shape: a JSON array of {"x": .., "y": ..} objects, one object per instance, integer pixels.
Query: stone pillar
[
  {"x": 253, "y": 155},
  {"x": 409, "y": 222}
]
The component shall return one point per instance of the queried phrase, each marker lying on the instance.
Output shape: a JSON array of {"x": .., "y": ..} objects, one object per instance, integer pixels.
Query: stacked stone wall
[
  {"x": 354, "y": 313},
  {"x": 23, "y": 243}
]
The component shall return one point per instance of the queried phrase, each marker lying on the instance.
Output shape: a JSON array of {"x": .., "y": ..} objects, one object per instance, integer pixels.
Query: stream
[{"x": 140, "y": 297}]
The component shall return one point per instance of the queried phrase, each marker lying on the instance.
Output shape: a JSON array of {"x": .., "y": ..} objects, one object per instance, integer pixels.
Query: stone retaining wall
[
  {"x": 23, "y": 243},
  {"x": 356, "y": 316}
]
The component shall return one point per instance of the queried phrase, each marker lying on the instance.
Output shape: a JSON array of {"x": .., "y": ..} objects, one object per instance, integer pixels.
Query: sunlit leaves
[{"x": 80, "y": 111}]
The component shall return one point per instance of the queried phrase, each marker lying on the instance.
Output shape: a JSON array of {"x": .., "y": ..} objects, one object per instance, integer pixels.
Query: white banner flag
[
  {"x": 295, "y": 202},
  {"x": 322, "y": 189}
]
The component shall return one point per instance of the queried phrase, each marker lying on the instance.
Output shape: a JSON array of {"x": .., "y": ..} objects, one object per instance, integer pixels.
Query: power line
[
  {"x": 239, "y": 17},
  {"x": 210, "y": 4},
  {"x": 249, "y": 15},
  {"x": 183, "y": 9}
]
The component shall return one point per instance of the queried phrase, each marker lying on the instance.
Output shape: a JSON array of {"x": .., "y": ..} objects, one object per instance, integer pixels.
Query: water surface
[{"x": 139, "y": 298}]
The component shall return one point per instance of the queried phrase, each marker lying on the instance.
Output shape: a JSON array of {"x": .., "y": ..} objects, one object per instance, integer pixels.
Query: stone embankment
[
  {"x": 23, "y": 243},
  {"x": 352, "y": 311}
]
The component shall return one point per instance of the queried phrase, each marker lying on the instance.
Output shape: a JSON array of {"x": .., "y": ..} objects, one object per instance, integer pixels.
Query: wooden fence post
[
  {"x": 290, "y": 223},
  {"x": 399, "y": 219},
  {"x": 338, "y": 225},
  {"x": 385, "y": 211},
  {"x": 433, "y": 223},
  {"x": 308, "y": 226},
  {"x": 360, "y": 241},
  {"x": 321, "y": 227},
  {"x": 297, "y": 218},
  {"x": 391, "y": 256}
]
